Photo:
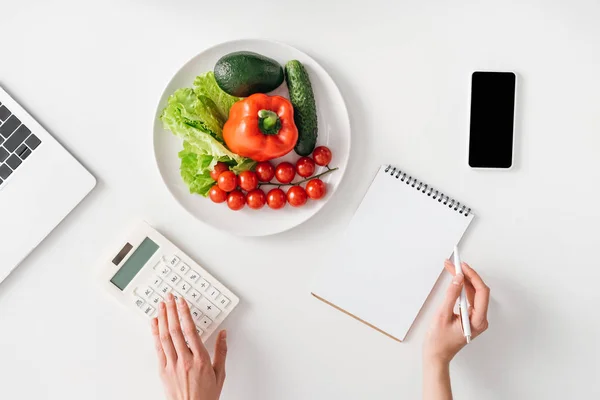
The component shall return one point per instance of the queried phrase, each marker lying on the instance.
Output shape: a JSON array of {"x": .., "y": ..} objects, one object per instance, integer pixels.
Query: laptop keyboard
[{"x": 16, "y": 143}]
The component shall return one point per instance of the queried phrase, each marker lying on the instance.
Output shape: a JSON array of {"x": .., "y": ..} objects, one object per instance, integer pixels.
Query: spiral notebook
[{"x": 392, "y": 252}]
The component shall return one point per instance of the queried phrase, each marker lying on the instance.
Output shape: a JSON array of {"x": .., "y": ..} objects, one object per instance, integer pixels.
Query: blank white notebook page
[{"x": 391, "y": 254}]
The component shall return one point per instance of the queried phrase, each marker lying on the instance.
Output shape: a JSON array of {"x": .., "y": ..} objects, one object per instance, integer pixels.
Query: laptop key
[
  {"x": 5, "y": 171},
  {"x": 4, "y": 113},
  {"x": 23, "y": 151},
  {"x": 13, "y": 161},
  {"x": 33, "y": 142},
  {"x": 16, "y": 138},
  {"x": 1, "y": 181},
  {"x": 1, "y": 140},
  {"x": 9, "y": 126},
  {"x": 3, "y": 154}
]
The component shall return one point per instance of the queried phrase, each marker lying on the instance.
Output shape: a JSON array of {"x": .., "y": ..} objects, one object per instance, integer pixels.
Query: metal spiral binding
[{"x": 426, "y": 189}]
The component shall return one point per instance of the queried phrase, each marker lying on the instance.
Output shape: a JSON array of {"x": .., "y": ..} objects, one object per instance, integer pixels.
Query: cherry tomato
[
  {"x": 227, "y": 181},
  {"x": 265, "y": 171},
  {"x": 248, "y": 180},
  {"x": 296, "y": 196},
  {"x": 285, "y": 172},
  {"x": 322, "y": 155},
  {"x": 256, "y": 199},
  {"x": 276, "y": 198},
  {"x": 316, "y": 189},
  {"x": 236, "y": 200},
  {"x": 217, "y": 194},
  {"x": 305, "y": 167},
  {"x": 220, "y": 167}
]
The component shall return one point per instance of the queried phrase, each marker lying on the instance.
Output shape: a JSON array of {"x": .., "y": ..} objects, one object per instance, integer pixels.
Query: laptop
[{"x": 40, "y": 183}]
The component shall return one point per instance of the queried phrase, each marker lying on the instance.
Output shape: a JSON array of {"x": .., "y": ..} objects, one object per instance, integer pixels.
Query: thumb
[
  {"x": 452, "y": 294},
  {"x": 220, "y": 356}
]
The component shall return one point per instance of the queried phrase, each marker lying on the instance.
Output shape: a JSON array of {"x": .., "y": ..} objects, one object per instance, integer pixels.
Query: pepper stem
[{"x": 268, "y": 122}]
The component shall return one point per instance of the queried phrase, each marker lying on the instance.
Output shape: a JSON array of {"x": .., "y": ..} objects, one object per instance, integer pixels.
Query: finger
[
  {"x": 189, "y": 330},
  {"x": 220, "y": 356},
  {"x": 162, "y": 359},
  {"x": 175, "y": 328},
  {"x": 449, "y": 266},
  {"x": 452, "y": 294},
  {"x": 482, "y": 295},
  {"x": 164, "y": 335}
]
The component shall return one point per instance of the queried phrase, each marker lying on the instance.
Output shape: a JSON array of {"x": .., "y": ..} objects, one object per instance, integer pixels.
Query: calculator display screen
[{"x": 134, "y": 264}]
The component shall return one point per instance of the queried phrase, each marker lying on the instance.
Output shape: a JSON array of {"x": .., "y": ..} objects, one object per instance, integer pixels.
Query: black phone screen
[{"x": 492, "y": 119}]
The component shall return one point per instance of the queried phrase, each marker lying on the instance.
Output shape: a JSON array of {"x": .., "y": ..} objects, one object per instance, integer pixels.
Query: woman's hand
[
  {"x": 445, "y": 337},
  {"x": 187, "y": 373}
]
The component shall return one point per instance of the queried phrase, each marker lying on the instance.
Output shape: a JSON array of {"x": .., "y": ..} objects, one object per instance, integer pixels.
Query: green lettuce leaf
[
  {"x": 202, "y": 142},
  {"x": 246, "y": 165},
  {"x": 195, "y": 171},
  {"x": 206, "y": 85},
  {"x": 196, "y": 111}
]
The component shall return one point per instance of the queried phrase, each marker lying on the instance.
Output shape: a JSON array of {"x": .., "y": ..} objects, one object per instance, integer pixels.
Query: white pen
[{"x": 463, "y": 306}]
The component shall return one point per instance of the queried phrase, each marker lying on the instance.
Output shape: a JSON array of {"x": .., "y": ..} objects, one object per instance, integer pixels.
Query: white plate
[{"x": 334, "y": 132}]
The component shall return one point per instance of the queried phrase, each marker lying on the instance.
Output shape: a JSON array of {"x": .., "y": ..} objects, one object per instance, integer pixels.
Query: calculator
[{"x": 146, "y": 266}]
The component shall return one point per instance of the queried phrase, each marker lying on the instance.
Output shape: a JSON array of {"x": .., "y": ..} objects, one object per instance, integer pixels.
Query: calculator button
[
  {"x": 183, "y": 268},
  {"x": 156, "y": 282},
  {"x": 193, "y": 276},
  {"x": 183, "y": 286},
  {"x": 144, "y": 291},
  {"x": 208, "y": 308},
  {"x": 164, "y": 289},
  {"x": 173, "y": 261},
  {"x": 213, "y": 293},
  {"x": 194, "y": 295},
  {"x": 162, "y": 270},
  {"x": 196, "y": 314},
  {"x": 223, "y": 301},
  {"x": 199, "y": 330},
  {"x": 138, "y": 301},
  {"x": 173, "y": 279},
  {"x": 176, "y": 296},
  {"x": 148, "y": 310},
  {"x": 203, "y": 284},
  {"x": 155, "y": 299},
  {"x": 205, "y": 322}
]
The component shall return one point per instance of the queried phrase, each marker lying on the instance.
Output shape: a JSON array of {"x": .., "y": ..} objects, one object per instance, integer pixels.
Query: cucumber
[
  {"x": 243, "y": 73},
  {"x": 305, "y": 109}
]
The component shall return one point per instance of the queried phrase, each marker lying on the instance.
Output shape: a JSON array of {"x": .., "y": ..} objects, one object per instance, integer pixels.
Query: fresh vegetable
[
  {"x": 243, "y": 73},
  {"x": 322, "y": 155},
  {"x": 216, "y": 171},
  {"x": 217, "y": 195},
  {"x": 276, "y": 199},
  {"x": 227, "y": 181},
  {"x": 265, "y": 171},
  {"x": 256, "y": 199},
  {"x": 305, "y": 167},
  {"x": 315, "y": 189},
  {"x": 206, "y": 85},
  {"x": 296, "y": 196},
  {"x": 285, "y": 172},
  {"x": 197, "y": 120},
  {"x": 305, "y": 109},
  {"x": 195, "y": 170},
  {"x": 261, "y": 127},
  {"x": 248, "y": 180},
  {"x": 236, "y": 200}
]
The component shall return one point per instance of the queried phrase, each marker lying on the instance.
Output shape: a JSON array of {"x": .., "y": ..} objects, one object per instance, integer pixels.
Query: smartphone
[{"x": 491, "y": 137}]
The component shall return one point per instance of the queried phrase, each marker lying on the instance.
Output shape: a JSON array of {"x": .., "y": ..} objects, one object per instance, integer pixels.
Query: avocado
[
  {"x": 243, "y": 73},
  {"x": 305, "y": 109}
]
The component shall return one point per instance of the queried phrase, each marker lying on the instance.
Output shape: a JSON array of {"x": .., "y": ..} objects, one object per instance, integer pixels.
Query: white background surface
[{"x": 92, "y": 72}]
